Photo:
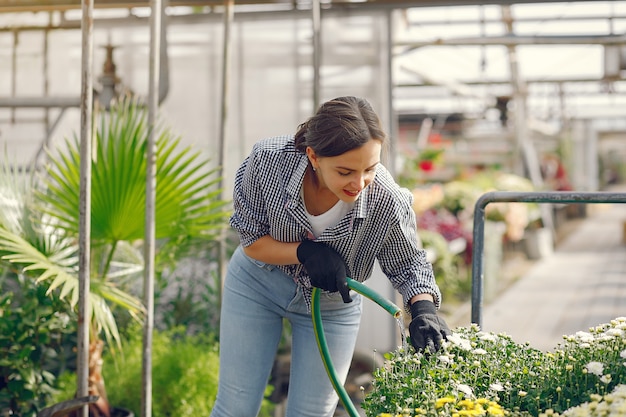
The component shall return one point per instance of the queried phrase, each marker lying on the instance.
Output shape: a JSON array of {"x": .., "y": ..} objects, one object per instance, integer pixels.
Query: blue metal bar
[{"x": 478, "y": 238}]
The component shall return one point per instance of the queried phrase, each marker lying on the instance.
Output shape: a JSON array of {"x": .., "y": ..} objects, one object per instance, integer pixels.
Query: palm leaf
[
  {"x": 16, "y": 251},
  {"x": 185, "y": 188}
]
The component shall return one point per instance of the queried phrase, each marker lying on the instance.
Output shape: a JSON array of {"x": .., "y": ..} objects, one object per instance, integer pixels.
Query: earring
[{"x": 314, "y": 169}]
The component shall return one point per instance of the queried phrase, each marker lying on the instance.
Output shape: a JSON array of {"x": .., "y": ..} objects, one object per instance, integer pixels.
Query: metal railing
[{"x": 559, "y": 197}]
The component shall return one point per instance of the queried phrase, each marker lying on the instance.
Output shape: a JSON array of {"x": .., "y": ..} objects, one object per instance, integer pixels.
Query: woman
[{"x": 311, "y": 209}]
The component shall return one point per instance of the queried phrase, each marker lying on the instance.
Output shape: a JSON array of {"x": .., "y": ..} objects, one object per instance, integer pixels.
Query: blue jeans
[{"x": 256, "y": 299}]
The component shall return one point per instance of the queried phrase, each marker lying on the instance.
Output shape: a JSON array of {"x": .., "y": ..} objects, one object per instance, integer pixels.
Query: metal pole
[
  {"x": 226, "y": 55},
  {"x": 84, "y": 209},
  {"x": 14, "y": 71},
  {"x": 524, "y": 144},
  {"x": 317, "y": 46},
  {"x": 393, "y": 120},
  {"x": 507, "y": 40},
  {"x": 40, "y": 102},
  {"x": 149, "y": 239},
  {"x": 46, "y": 81},
  {"x": 478, "y": 243},
  {"x": 396, "y": 337},
  {"x": 229, "y": 16}
]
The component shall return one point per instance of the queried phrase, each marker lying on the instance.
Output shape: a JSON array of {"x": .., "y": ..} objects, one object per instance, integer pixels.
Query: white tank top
[{"x": 328, "y": 218}]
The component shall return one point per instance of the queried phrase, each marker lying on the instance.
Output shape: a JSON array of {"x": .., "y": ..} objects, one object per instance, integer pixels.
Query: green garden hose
[{"x": 323, "y": 346}]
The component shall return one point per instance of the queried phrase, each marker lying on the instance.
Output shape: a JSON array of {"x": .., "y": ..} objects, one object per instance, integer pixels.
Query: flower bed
[{"x": 479, "y": 373}]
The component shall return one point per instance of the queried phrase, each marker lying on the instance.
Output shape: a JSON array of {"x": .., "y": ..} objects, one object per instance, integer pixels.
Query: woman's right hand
[{"x": 326, "y": 268}]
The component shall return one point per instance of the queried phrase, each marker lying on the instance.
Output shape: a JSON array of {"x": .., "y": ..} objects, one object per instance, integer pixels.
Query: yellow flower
[
  {"x": 468, "y": 404},
  {"x": 470, "y": 413},
  {"x": 495, "y": 410},
  {"x": 443, "y": 401}
]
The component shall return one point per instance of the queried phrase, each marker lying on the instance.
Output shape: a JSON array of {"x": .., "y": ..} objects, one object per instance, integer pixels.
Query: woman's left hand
[{"x": 427, "y": 329}]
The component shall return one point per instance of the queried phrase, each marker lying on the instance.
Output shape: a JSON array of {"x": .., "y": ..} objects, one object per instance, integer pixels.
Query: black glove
[
  {"x": 427, "y": 330},
  {"x": 325, "y": 267}
]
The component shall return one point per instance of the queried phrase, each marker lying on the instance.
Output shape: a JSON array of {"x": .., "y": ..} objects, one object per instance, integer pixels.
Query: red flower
[{"x": 426, "y": 165}]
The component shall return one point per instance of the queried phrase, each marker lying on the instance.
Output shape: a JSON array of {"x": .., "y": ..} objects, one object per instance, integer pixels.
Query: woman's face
[{"x": 346, "y": 175}]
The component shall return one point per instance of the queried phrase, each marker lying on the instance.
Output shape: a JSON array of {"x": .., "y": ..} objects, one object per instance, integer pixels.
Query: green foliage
[
  {"x": 461, "y": 196},
  {"x": 33, "y": 329},
  {"x": 195, "y": 303},
  {"x": 452, "y": 278},
  {"x": 473, "y": 364},
  {"x": 190, "y": 295},
  {"x": 39, "y": 227},
  {"x": 184, "y": 374}
]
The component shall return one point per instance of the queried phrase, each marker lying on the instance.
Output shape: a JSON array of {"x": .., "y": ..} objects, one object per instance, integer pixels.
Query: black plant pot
[{"x": 121, "y": 412}]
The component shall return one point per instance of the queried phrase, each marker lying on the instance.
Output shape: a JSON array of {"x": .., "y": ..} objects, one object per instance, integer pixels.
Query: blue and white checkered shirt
[{"x": 267, "y": 201}]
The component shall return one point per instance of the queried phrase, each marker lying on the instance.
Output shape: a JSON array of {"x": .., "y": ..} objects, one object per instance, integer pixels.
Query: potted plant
[
  {"x": 41, "y": 241},
  {"x": 428, "y": 157}
]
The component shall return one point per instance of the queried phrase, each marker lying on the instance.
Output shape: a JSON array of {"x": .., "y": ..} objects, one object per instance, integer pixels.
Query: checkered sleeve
[
  {"x": 249, "y": 217},
  {"x": 401, "y": 257}
]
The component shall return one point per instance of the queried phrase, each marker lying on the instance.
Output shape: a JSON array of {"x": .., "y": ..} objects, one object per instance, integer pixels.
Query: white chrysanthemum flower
[
  {"x": 622, "y": 354},
  {"x": 487, "y": 337},
  {"x": 479, "y": 351},
  {"x": 596, "y": 368},
  {"x": 615, "y": 332},
  {"x": 444, "y": 359},
  {"x": 584, "y": 337},
  {"x": 496, "y": 387},
  {"x": 606, "y": 379},
  {"x": 465, "y": 389},
  {"x": 459, "y": 341}
]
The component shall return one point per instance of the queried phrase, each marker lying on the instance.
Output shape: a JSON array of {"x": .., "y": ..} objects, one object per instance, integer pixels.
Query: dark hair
[{"x": 340, "y": 125}]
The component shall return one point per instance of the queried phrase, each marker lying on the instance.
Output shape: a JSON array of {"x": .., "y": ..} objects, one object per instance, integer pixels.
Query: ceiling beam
[
  {"x": 7, "y": 6},
  {"x": 517, "y": 40}
]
